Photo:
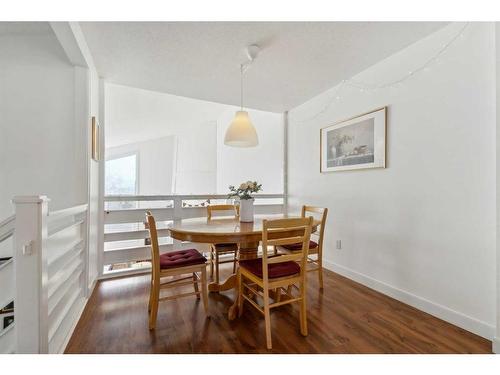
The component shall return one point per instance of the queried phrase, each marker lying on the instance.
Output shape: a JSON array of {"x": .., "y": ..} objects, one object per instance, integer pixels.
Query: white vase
[{"x": 246, "y": 210}]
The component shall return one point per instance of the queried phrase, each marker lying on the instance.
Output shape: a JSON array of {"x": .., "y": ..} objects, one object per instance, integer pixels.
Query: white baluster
[{"x": 178, "y": 214}]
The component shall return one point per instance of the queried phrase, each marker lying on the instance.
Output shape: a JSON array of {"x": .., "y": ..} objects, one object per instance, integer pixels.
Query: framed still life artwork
[
  {"x": 95, "y": 139},
  {"x": 356, "y": 143}
]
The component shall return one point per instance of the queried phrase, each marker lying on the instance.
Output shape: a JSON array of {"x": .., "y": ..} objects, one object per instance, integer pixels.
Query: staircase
[
  {"x": 7, "y": 338},
  {"x": 43, "y": 286}
]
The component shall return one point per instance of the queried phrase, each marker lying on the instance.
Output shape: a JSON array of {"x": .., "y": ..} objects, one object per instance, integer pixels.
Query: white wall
[
  {"x": 95, "y": 209},
  {"x": 202, "y": 163},
  {"x": 86, "y": 103},
  {"x": 155, "y": 160},
  {"x": 423, "y": 229},
  {"x": 136, "y": 115},
  {"x": 39, "y": 150},
  {"x": 48, "y": 92},
  {"x": 195, "y": 164},
  {"x": 263, "y": 163},
  {"x": 496, "y": 341}
]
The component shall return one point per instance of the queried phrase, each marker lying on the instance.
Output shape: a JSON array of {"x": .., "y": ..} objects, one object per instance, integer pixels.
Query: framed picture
[
  {"x": 95, "y": 139},
  {"x": 356, "y": 143}
]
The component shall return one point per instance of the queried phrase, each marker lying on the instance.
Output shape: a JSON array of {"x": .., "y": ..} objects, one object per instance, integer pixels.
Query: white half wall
[{"x": 423, "y": 229}]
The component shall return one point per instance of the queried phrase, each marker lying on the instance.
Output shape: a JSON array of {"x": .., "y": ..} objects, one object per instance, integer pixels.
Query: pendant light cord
[{"x": 241, "y": 86}]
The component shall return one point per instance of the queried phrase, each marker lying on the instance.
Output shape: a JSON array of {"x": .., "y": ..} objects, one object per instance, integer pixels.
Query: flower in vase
[{"x": 245, "y": 190}]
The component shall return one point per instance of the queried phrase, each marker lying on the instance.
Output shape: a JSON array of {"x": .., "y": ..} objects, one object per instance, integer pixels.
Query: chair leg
[
  {"x": 216, "y": 266},
  {"x": 150, "y": 296},
  {"x": 154, "y": 306},
  {"x": 277, "y": 294},
  {"x": 267, "y": 318},
  {"x": 211, "y": 262},
  {"x": 303, "y": 310},
  {"x": 240, "y": 293},
  {"x": 234, "y": 261},
  {"x": 204, "y": 292},
  {"x": 195, "y": 284},
  {"x": 320, "y": 272}
]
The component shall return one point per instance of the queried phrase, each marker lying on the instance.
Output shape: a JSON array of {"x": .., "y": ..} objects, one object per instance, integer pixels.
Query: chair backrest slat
[
  {"x": 294, "y": 257},
  {"x": 285, "y": 241},
  {"x": 285, "y": 223},
  {"x": 318, "y": 210},
  {"x": 223, "y": 207}
]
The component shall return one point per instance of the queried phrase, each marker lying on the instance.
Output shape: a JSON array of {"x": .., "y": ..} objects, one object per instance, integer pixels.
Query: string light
[{"x": 396, "y": 83}]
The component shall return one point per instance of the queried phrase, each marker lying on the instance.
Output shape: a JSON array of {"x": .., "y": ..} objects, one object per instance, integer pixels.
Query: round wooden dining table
[{"x": 220, "y": 230}]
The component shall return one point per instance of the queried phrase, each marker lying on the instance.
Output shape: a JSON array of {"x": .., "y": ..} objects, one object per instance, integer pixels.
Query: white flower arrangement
[{"x": 245, "y": 190}]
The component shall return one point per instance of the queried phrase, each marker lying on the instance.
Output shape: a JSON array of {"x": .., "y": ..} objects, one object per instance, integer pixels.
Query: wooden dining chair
[
  {"x": 276, "y": 274},
  {"x": 315, "y": 263},
  {"x": 175, "y": 263},
  {"x": 216, "y": 250}
]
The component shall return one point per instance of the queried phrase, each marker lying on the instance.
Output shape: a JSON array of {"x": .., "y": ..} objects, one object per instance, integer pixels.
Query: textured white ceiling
[
  {"x": 25, "y": 28},
  {"x": 201, "y": 59}
]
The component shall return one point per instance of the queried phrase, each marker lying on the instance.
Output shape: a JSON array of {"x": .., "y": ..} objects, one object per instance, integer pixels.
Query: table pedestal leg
[{"x": 230, "y": 283}]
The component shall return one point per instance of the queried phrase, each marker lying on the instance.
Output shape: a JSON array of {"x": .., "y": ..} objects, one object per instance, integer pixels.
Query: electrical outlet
[{"x": 339, "y": 244}]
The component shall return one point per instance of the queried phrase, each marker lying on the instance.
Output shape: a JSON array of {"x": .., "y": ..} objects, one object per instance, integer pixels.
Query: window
[{"x": 121, "y": 175}]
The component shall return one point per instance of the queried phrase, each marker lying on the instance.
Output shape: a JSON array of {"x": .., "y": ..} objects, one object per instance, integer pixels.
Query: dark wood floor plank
[{"x": 346, "y": 318}]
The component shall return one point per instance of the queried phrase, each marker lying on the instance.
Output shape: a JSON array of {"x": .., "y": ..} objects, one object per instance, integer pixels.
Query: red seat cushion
[
  {"x": 275, "y": 270},
  {"x": 298, "y": 246},
  {"x": 181, "y": 258}
]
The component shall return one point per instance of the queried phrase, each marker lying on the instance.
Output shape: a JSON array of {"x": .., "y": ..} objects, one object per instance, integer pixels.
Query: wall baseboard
[
  {"x": 78, "y": 316},
  {"x": 91, "y": 287},
  {"x": 468, "y": 323}
]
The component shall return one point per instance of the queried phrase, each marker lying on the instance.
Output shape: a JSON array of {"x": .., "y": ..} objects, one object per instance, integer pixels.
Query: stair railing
[{"x": 50, "y": 273}]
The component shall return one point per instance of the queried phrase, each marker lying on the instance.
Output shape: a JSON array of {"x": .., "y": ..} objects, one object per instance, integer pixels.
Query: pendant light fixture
[{"x": 241, "y": 132}]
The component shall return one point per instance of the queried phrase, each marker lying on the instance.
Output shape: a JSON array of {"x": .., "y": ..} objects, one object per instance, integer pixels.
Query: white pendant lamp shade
[{"x": 241, "y": 132}]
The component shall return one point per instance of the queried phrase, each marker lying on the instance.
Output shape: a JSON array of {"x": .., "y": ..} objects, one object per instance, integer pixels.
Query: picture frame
[
  {"x": 355, "y": 143},
  {"x": 95, "y": 139}
]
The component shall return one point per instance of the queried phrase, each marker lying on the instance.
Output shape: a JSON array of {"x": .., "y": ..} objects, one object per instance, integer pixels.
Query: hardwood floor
[{"x": 347, "y": 318}]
